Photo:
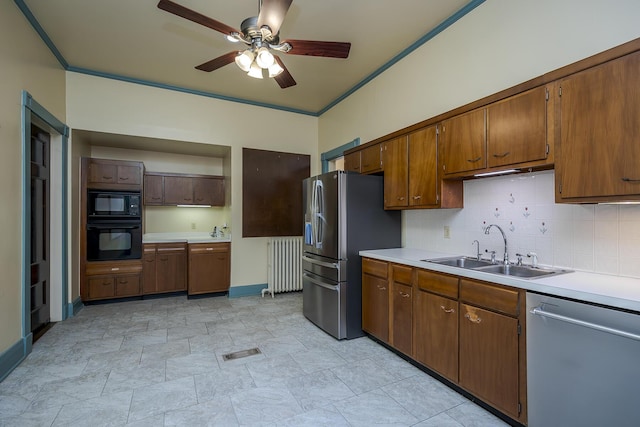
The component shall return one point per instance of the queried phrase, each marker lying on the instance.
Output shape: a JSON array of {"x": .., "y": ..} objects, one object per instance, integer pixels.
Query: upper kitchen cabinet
[
  {"x": 164, "y": 189},
  {"x": 598, "y": 140},
  {"x": 105, "y": 174},
  {"x": 352, "y": 162},
  {"x": 517, "y": 129},
  {"x": 464, "y": 142},
  {"x": 411, "y": 178},
  {"x": 371, "y": 159}
]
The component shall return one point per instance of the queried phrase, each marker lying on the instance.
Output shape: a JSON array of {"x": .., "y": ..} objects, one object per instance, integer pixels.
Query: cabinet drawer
[
  {"x": 374, "y": 267},
  {"x": 492, "y": 297},
  {"x": 401, "y": 274},
  {"x": 108, "y": 268},
  {"x": 438, "y": 283},
  {"x": 127, "y": 285},
  {"x": 164, "y": 248},
  {"x": 101, "y": 287},
  {"x": 204, "y": 248}
]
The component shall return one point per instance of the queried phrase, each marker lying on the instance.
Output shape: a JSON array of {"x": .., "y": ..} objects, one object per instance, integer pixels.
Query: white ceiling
[{"x": 133, "y": 39}]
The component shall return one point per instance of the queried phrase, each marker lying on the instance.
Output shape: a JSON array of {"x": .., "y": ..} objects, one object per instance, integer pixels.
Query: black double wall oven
[{"x": 114, "y": 225}]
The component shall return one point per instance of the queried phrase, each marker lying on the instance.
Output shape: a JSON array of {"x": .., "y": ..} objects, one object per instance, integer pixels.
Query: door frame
[
  {"x": 326, "y": 157},
  {"x": 34, "y": 112}
]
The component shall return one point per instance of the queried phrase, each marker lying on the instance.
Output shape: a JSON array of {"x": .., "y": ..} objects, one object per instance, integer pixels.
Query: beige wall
[
  {"x": 25, "y": 64},
  {"x": 103, "y": 105}
]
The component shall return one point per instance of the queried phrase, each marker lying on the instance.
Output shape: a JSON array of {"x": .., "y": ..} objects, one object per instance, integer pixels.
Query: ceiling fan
[{"x": 261, "y": 34}]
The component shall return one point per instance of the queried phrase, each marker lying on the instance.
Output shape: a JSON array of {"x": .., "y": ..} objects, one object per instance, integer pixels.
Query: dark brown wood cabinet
[
  {"x": 464, "y": 142},
  {"x": 164, "y": 267},
  {"x": 106, "y": 174},
  {"x": 598, "y": 140},
  {"x": 209, "y": 268},
  {"x": 375, "y": 298},
  {"x": 111, "y": 279},
  {"x": 163, "y": 189},
  {"x": 371, "y": 159},
  {"x": 402, "y": 308},
  {"x": 352, "y": 162},
  {"x": 436, "y": 322},
  {"x": 491, "y": 345},
  {"x": 396, "y": 178},
  {"x": 423, "y": 168}
]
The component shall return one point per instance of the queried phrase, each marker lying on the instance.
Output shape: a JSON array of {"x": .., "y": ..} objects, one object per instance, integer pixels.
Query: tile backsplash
[{"x": 596, "y": 238}]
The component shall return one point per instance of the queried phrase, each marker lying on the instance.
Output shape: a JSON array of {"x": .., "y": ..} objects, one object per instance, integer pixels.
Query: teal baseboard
[
  {"x": 12, "y": 357},
  {"x": 244, "y": 291},
  {"x": 74, "y": 307}
]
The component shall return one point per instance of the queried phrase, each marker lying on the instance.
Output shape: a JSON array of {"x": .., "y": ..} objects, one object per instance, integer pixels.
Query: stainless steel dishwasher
[{"x": 583, "y": 364}]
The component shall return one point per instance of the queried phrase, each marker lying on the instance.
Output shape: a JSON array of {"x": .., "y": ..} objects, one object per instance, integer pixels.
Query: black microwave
[{"x": 113, "y": 205}]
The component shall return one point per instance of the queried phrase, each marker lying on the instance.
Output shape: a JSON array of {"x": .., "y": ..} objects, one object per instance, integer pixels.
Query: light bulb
[
  {"x": 275, "y": 69},
  {"x": 264, "y": 58},
  {"x": 244, "y": 60},
  {"x": 255, "y": 71}
]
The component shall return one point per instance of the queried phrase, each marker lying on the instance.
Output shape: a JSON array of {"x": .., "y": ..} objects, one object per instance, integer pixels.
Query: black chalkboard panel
[{"x": 272, "y": 192}]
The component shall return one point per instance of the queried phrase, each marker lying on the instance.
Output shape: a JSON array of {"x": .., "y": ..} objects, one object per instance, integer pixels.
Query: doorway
[{"x": 40, "y": 236}]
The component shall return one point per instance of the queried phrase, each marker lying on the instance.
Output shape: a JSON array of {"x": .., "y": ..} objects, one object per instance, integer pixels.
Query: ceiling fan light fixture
[
  {"x": 275, "y": 69},
  {"x": 255, "y": 71},
  {"x": 244, "y": 60},
  {"x": 264, "y": 58}
]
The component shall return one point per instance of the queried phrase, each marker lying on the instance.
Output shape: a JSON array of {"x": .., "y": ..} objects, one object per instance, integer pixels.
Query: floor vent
[{"x": 240, "y": 354}]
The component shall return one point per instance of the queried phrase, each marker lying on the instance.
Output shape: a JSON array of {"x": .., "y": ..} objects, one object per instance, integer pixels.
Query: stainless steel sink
[
  {"x": 460, "y": 261},
  {"x": 520, "y": 271}
]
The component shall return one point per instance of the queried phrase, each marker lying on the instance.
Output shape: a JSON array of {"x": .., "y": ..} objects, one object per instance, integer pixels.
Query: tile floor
[{"x": 159, "y": 362}]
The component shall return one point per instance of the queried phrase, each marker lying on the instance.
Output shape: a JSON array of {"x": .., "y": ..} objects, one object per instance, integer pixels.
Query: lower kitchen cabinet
[
  {"x": 375, "y": 298},
  {"x": 111, "y": 279},
  {"x": 402, "y": 308},
  {"x": 209, "y": 268},
  {"x": 164, "y": 267}
]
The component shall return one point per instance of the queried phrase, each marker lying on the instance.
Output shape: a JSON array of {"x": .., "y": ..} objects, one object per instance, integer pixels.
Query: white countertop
[
  {"x": 187, "y": 237},
  {"x": 614, "y": 291}
]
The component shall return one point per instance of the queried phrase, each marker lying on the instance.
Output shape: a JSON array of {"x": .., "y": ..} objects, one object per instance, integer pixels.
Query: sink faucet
[
  {"x": 505, "y": 261},
  {"x": 477, "y": 243}
]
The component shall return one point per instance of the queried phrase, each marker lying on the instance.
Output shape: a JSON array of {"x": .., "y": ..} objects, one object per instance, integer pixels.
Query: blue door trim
[{"x": 335, "y": 153}]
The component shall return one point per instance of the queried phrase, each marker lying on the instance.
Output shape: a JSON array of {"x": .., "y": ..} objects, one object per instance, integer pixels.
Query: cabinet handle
[
  {"x": 106, "y": 283},
  {"x": 401, "y": 198},
  {"x": 107, "y": 177},
  {"x": 164, "y": 259},
  {"x": 404, "y": 294},
  {"x": 448, "y": 310},
  {"x": 115, "y": 268},
  {"x": 382, "y": 288},
  {"x": 501, "y": 155},
  {"x": 123, "y": 178},
  {"x": 475, "y": 319},
  {"x": 199, "y": 199},
  {"x": 123, "y": 282},
  {"x": 187, "y": 199},
  {"x": 417, "y": 197},
  {"x": 474, "y": 160},
  {"x": 156, "y": 198},
  {"x": 630, "y": 180}
]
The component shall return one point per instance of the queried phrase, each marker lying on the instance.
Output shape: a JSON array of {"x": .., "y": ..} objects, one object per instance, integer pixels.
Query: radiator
[{"x": 284, "y": 265}]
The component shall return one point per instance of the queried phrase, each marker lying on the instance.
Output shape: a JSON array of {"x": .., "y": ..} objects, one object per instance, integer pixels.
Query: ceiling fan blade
[
  {"x": 284, "y": 79},
  {"x": 272, "y": 14},
  {"x": 196, "y": 17},
  {"x": 318, "y": 48},
  {"x": 218, "y": 62}
]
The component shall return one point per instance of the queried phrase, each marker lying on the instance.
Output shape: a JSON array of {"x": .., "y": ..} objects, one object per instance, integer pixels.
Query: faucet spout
[{"x": 504, "y": 237}]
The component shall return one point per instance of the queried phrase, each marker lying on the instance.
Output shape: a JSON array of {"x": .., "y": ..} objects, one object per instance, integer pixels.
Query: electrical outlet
[
  {"x": 447, "y": 232},
  {"x": 193, "y": 225}
]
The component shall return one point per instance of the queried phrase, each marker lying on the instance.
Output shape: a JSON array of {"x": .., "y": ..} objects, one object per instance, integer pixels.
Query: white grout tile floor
[{"x": 158, "y": 362}]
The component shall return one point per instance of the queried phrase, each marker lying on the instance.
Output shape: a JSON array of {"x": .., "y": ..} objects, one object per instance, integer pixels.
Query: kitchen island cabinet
[{"x": 209, "y": 268}]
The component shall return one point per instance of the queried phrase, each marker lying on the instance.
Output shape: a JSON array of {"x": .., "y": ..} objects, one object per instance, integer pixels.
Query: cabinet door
[
  {"x": 517, "y": 129},
  {"x": 371, "y": 159},
  {"x": 436, "y": 333},
  {"x": 127, "y": 285},
  {"x": 375, "y": 307},
  {"x": 402, "y": 318},
  {"x": 101, "y": 287},
  {"x": 396, "y": 178},
  {"x": 148, "y": 269},
  {"x": 208, "y": 191},
  {"x": 129, "y": 175},
  {"x": 171, "y": 268},
  {"x": 352, "y": 162},
  {"x": 153, "y": 190},
  {"x": 464, "y": 142},
  {"x": 599, "y": 143},
  {"x": 178, "y": 190},
  {"x": 103, "y": 173},
  {"x": 423, "y": 156},
  {"x": 209, "y": 267},
  {"x": 489, "y": 357}
]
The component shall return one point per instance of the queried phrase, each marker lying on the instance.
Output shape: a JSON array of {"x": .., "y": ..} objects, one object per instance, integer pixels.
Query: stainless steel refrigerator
[{"x": 343, "y": 214}]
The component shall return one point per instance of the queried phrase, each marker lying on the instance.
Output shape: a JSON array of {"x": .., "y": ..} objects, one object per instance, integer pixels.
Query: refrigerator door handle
[
  {"x": 334, "y": 265},
  {"x": 319, "y": 283}
]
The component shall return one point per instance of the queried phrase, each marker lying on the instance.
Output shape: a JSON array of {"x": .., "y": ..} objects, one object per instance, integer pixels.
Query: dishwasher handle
[{"x": 540, "y": 312}]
